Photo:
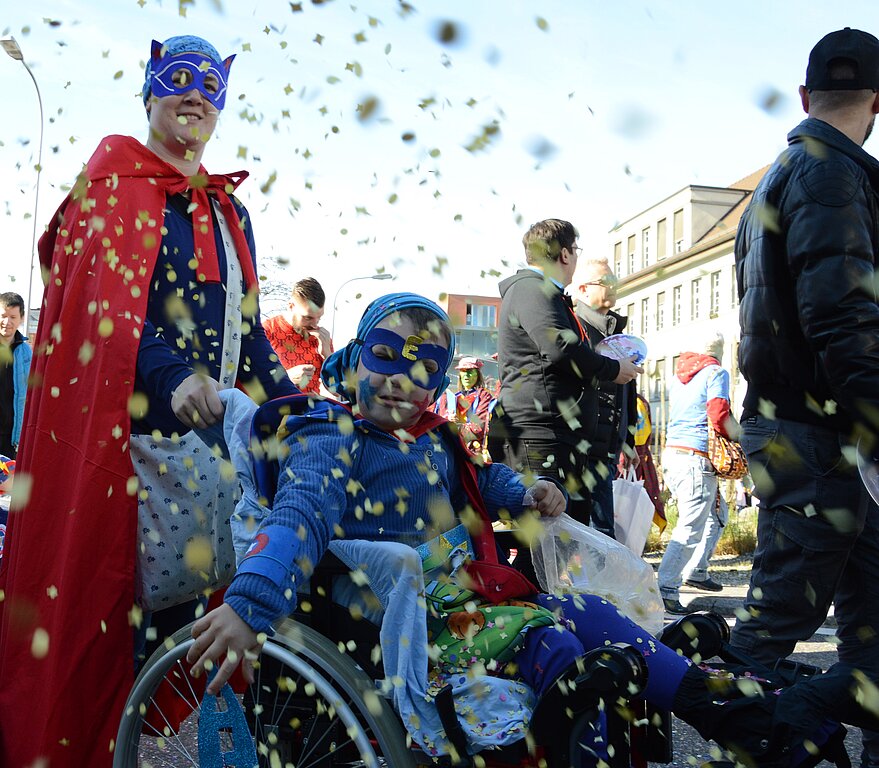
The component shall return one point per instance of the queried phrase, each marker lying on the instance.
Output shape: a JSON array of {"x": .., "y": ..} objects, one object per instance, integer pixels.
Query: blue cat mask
[
  {"x": 408, "y": 352},
  {"x": 184, "y": 63}
]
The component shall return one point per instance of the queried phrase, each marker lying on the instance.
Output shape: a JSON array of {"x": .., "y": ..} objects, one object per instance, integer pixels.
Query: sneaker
[
  {"x": 673, "y": 605},
  {"x": 708, "y": 585}
]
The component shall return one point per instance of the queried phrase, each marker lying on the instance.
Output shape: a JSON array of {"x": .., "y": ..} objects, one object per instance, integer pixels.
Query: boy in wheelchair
[{"x": 388, "y": 469}]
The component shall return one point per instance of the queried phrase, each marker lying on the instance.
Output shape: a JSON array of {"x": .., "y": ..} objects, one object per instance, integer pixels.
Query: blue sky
[{"x": 595, "y": 111}]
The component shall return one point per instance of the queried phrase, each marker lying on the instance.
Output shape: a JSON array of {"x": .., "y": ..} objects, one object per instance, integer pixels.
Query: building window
[
  {"x": 659, "y": 380},
  {"x": 645, "y": 248},
  {"x": 661, "y": 235},
  {"x": 715, "y": 294},
  {"x": 631, "y": 253},
  {"x": 679, "y": 231},
  {"x": 630, "y": 313},
  {"x": 694, "y": 298},
  {"x": 734, "y": 294},
  {"x": 676, "y": 305},
  {"x": 660, "y": 310},
  {"x": 645, "y": 314},
  {"x": 481, "y": 315},
  {"x": 618, "y": 259}
]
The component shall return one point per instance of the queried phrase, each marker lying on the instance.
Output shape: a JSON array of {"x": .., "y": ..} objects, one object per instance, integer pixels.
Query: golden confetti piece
[
  {"x": 105, "y": 327},
  {"x": 135, "y": 616},
  {"x": 199, "y": 554},
  {"x": 138, "y": 405},
  {"x": 40, "y": 643},
  {"x": 542, "y": 24},
  {"x": 367, "y": 108}
]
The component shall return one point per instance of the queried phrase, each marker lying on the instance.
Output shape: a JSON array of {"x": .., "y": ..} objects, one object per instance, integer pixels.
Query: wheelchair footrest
[{"x": 614, "y": 671}]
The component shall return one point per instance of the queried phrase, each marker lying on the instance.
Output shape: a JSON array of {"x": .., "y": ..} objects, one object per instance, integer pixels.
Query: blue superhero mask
[
  {"x": 407, "y": 351},
  {"x": 171, "y": 73}
]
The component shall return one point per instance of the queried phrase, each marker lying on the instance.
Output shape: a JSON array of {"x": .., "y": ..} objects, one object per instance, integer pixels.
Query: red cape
[{"x": 66, "y": 642}]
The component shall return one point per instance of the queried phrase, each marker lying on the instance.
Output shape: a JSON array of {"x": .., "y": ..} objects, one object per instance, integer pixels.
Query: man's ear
[
  {"x": 875, "y": 106},
  {"x": 804, "y": 98}
]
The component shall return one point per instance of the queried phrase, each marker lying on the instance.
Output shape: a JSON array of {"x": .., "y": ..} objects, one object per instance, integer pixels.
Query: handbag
[{"x": 726, "y": 456}]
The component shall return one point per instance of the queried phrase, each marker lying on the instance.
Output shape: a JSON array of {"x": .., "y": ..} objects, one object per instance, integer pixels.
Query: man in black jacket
[
  {"x": 548, "y": 371},
  {"x": 595, "y": 295},
  {"x": 806, "y": 254}
]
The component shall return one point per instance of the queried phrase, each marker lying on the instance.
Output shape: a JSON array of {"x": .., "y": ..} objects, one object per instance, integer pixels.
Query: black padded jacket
[{"x": 805, "y": 261}]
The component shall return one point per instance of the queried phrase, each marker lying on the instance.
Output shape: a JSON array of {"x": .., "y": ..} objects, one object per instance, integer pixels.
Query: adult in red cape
[{"x": 134, "y": 264}]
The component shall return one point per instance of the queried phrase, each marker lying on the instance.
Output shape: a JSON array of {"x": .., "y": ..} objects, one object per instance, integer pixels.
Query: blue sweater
[
  {"x": 21, "y": 365},
  {"x": 688, "y": 404},
  {"x": 183, "y": 330},
  {"x": 361, "y": 483}
]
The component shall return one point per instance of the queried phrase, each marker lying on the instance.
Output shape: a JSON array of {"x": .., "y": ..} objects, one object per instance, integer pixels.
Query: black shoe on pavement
[
  {"x": 709, "y": 585},
  {"x": 675, "y": 607}
]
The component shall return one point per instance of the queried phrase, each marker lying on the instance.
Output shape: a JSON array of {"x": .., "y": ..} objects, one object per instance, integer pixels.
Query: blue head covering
[
  {"x": 182, "y": 44},
  {"x": 335, "y": 366}
]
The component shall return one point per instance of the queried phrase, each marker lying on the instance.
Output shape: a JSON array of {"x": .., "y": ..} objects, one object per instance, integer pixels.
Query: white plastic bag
[
  {"x": 573, "y": 558},
  {"x": 632, "y": 512}
]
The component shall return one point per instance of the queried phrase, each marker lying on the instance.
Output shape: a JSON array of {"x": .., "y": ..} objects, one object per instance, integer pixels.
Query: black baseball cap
[{"x": 860, "y": 49}]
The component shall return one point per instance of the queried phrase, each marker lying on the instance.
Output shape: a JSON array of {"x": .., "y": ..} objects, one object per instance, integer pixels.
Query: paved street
[{"x": 819, "y": 650}]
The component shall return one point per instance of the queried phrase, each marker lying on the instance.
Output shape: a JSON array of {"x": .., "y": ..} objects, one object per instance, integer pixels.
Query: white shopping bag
[{"x": 632, "y": 512}]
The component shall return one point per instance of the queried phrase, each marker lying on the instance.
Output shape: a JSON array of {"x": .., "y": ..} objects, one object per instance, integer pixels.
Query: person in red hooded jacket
[{"x": 699, "y": 394}]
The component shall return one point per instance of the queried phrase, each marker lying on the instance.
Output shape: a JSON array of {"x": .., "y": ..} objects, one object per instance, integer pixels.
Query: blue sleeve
[
  {"x": 718, "y": 385},
  {"x": 158, "y": 365},
  {"x": 502, "y": 489},
  {"x": 309, "y": 505}
]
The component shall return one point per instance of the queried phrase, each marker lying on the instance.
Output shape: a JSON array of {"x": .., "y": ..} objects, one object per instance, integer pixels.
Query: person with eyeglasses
[
  {"x": 615, "y": 404},
  {"x": 548, "y": 369}
]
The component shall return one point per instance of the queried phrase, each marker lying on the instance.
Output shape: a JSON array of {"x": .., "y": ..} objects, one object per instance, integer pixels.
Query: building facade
[
  {"x": 474, "y": 319},
  {"x": 676, "y": 268}
]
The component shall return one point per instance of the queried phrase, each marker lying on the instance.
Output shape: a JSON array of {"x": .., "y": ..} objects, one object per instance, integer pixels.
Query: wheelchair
[{"x": 315, "y": 702}]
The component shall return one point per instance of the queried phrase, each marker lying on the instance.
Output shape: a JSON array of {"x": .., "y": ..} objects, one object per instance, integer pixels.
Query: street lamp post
[
  {"x": 377, "y": 276},
  {"x": 12, "y": 48}
]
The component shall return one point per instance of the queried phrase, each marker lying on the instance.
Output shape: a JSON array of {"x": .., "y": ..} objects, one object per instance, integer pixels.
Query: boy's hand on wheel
[{"x": 223, "y": 633}]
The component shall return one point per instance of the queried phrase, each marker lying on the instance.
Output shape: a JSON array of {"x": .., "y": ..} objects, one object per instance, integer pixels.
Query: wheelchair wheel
[{"x": 310, "y": 705}]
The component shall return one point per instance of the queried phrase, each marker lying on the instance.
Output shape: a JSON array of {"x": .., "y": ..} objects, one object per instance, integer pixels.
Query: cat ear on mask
[
  {"x": 156, "y": 50},
  {"x": 227, "y": 64}
]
